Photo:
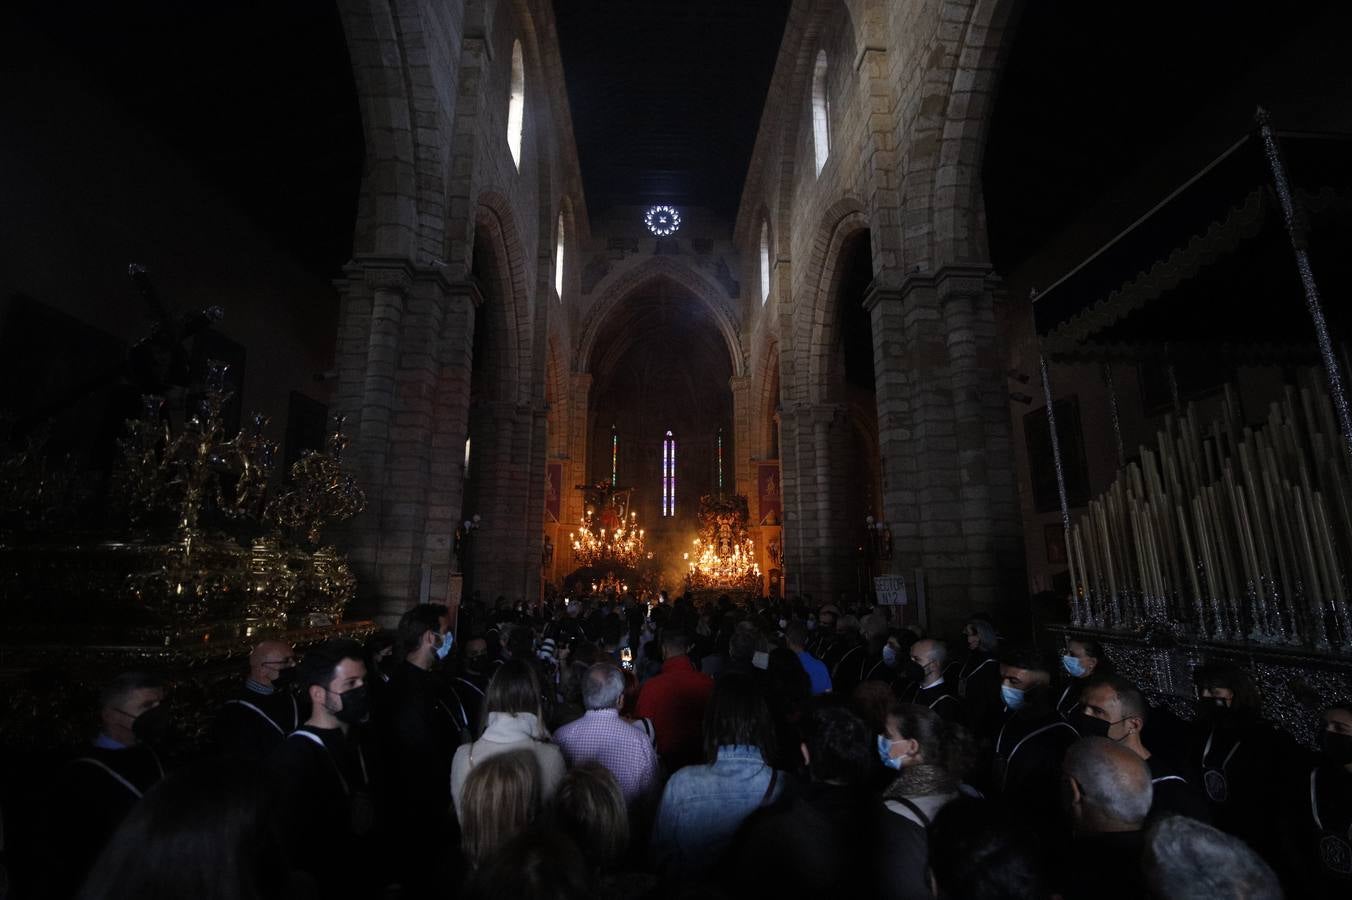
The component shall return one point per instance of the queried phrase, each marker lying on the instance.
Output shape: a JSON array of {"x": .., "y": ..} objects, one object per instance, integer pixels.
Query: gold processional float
[
  {"x": 211, "y": 558},
  {"x": 723, "y": 557}
]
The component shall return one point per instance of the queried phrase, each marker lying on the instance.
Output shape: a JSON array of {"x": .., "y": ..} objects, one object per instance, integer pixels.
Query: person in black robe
[
  {"x": 926, "y": 684},
  {"x": 1316, "y": 823},
  {"x": 1029, "y": 747},
  {"x": 1114, "y": 708},
  {"x": 421, "y": 729},
  {"x": 264, "y": 710},
  {"x": 978, "y": 678},
  {"x": 327, "y": 777},
  {"x": 1107, "y": 796},
  {"x": 1242, "y": 757},
  {"x": 100, "y": 786}
]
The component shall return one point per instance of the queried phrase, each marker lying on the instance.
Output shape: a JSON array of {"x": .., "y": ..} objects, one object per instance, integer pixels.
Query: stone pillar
[
  {"x": 944, "y": 432},
  {"x": 738, "y": 474},
  {"x": 815, "y": 476},
  {"x": 403, "y": 374}
]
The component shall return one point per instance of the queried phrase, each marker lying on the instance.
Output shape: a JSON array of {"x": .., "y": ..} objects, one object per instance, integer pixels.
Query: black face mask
[
  {"x": 1216, "y": 711},
  {"x": 914, "y": 671},
  {"x": 474, "y": 663},
  {"x": 285, "y": 679},
  {"x": 356, "y": 705},
  {"x": 152, "y": 726},
  {"x": 1337, "y": 748},
  {"x": 1088, "y": 726}
]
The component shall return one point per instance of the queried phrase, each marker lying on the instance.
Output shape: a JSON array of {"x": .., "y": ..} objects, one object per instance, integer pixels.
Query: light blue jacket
[{"x": 703, "y": 806}]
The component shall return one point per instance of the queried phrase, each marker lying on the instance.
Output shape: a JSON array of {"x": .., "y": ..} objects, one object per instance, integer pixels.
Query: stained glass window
[
  {"x": 669, "y": 476},
  {"x": 720, "y": 460}
]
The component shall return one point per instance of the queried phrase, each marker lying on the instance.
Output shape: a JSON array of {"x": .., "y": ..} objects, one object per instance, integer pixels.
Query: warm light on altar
[
  {"x": 621, "y": 544},
  {"x": 734, "y": 567}
]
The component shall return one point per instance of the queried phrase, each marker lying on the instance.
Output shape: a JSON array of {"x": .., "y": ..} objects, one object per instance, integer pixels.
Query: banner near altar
[
  {"x": 770, "y": 496},
  {"x": 554, "y": 491}
]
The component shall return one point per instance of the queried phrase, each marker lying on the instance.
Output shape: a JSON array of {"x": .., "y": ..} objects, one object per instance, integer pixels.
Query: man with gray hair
[
  {"x": 1189, "y": 860},
  {"x": 601, "y": 736},
  {"x": 1106, "y": 791},
  {"x": 926, "y": 683}
]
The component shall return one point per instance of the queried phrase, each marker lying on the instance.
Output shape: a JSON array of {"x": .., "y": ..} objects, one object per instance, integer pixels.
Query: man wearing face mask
[
  {"x": 926, "y": 683},
  {"x": 421, "y": 729},
  {"x": 106, "y": 780},
  {"x": 264, "y": 710},
  {"x": 1030, "y": 743},
  {"x": 327, "y": 775},
  {"x": 1082, "y": 660},
  {"x": 1239, "y": 754},
  {"x": 1114, "y": 709},
  {"x": 1316, "y": 823}
]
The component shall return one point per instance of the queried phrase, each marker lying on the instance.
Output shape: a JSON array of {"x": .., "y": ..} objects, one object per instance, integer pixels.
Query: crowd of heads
[{"x": 1003, "y": 762}]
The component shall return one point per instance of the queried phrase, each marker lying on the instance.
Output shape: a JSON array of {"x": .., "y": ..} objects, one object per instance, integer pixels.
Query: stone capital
[{"x": 952, "y": 282}]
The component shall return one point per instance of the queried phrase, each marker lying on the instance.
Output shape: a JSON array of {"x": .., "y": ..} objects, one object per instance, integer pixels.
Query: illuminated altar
[{"x": 723, "y": 555}]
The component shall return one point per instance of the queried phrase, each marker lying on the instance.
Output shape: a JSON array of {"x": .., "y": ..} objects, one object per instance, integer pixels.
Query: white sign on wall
[{"x": 891, "y": 590}]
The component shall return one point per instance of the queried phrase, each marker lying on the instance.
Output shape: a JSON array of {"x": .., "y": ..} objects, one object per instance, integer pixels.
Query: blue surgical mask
[
  {"x": 1012, "y": 696},
  {"x": 446, "y": 643},
  {"x": 889, "y": 656},
  {"x": 885, "y": 753},
  {"x": 1073, "y": 665}
]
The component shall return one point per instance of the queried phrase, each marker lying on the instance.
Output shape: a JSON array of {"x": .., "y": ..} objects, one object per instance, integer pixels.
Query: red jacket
[{"x": 675, "y": 702}]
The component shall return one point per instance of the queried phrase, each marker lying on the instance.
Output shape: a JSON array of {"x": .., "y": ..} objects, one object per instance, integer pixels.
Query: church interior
[{"x": 313, "y": 312}]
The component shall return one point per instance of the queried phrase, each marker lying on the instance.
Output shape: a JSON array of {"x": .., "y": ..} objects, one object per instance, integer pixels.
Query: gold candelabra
[{"x": 621, "y": 543}]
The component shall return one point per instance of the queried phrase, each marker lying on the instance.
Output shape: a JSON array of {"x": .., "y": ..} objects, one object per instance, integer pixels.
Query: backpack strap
[{"x": 915, "y": 810}]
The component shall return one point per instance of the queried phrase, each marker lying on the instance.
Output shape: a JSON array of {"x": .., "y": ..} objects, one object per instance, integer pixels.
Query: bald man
[
  {"x": 264, "y": 710},
  {"x": 927, "y": 687},
  {"x": 1107, "y": 793}
]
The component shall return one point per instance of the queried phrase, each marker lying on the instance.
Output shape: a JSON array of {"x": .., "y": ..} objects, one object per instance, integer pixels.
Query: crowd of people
[{"x": 615, "y": 748}]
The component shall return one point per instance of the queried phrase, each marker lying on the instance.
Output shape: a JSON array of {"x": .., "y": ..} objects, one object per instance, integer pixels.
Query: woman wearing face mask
[
  {"x": 978, "y": 677},
  {"x": 1317, "y": 815},
  {"x": 931, "y": 757},
  {"x": 1082, "y": 660},
  {"x": 1239, "y": 754}
]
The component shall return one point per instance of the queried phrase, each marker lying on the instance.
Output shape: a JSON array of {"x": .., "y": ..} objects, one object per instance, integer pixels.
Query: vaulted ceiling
[{"x": 666, "y": 97}]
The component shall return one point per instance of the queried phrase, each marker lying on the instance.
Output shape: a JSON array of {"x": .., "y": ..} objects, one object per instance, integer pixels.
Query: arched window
[
  {"x": 558, "y": 260},
  {"x": 765, "y": 262},
  {"x": 516, "y": 106},
  {"x": 821, "y": 112},
  {"x": 669, "y": 476}
]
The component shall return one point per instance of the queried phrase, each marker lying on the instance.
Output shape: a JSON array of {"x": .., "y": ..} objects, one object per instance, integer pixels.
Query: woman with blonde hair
[
  {"x": 512, "y": 720},
  {"x": 501, "y": 798}
]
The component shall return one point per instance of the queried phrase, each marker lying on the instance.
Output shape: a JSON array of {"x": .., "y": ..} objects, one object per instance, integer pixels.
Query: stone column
[
  {"x": 815, "y": 475},
  {"x": 944, "y": 431},
  {"x": 403, "y": 352},
  {"x": 739, "y": 478}
]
